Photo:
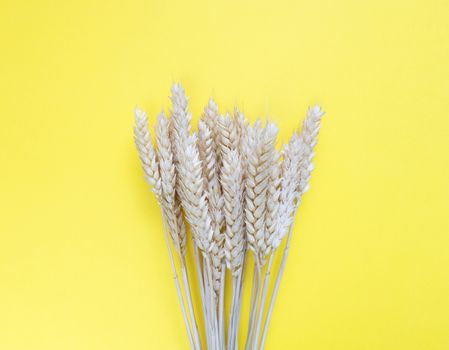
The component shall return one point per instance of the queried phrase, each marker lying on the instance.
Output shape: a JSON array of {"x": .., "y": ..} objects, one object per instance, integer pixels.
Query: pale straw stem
[
  {"x": 190, "y": 303},
  {"x": 263, "y": 301},
  {"x": 221, "y": 307},
  {"x": 178, "y": 286},
  {"x": 276, "y": 288}
]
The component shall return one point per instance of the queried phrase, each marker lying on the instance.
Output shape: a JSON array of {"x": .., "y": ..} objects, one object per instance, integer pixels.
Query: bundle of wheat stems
[{"x": 239, "y": 196}]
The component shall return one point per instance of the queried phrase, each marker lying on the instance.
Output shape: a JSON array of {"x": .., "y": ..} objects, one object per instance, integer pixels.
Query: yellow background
[{"x": 82, "y": 258}]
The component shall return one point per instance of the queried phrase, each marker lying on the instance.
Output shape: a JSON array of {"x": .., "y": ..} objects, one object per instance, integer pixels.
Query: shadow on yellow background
[{"x": 82, "y": 257}]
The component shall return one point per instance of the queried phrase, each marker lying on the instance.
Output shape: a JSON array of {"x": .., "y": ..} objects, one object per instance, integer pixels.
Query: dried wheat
[{"x": 238, "y": 193}]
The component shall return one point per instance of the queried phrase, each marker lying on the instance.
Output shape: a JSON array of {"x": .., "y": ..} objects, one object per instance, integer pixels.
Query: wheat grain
[{"x": 241, "y": 124}]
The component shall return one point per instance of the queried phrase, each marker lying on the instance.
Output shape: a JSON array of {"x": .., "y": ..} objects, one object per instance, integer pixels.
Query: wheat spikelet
[
  {"x": 210, "y": 117},
  {"x": 241, "y": 125},
  {"x": 228, "y": 134},
  {"x": 146, "y": 151},
  {"x": 169, "y": 203}
]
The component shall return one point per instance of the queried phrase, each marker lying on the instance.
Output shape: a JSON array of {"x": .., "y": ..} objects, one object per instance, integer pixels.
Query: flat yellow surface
[{"x": 82, "y": 258}]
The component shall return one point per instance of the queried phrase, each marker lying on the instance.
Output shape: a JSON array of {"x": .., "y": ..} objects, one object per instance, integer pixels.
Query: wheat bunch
[{"x": 238, "y": 193}]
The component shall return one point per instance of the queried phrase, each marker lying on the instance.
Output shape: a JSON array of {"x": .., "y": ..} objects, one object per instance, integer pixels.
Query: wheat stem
[
  {"x": 241, "y": 278},
  {"x": 190, "y": 303},
  {"x": 255, "y": 293},
  {"x": 178, "y": 287},
  {"x": 280, "y": 273},
  {"x": 263, "y": 301},
  {"x": 232, "y": 312},
  {"x": 221, "y": 307},
  {"x": 256, "y": 307}
]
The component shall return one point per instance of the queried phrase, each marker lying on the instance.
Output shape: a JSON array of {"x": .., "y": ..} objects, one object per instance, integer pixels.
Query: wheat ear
[
  {"x": 208, "y": 155},
  {"x": 255, "y": 207},
  {"x": 304, "y": 147},
  {"x": 144, "y": 144},
  {"x": 189, "y": 170},
  {"x": 231, "y": 180},
  {"x": 241, "y": 124},
  {"x": 255, "y": 189},
  {"x": 168, "y": 179}
]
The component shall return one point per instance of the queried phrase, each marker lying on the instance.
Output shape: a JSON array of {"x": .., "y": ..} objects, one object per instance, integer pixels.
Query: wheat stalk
[
  {"x": 209, "y": 155},
  {"x": 259, "y": 156}
]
